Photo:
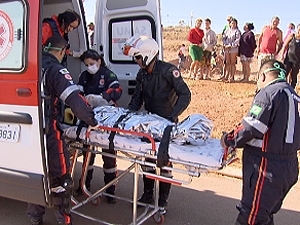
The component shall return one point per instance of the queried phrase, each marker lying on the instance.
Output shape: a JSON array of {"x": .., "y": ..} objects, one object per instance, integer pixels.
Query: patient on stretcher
[{"x": 189, "y": 140}]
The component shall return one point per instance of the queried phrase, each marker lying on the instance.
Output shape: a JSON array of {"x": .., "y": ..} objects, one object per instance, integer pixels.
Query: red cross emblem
[
  {"x": 2, "y": 32},
  {"x": 6, "y": 34}
]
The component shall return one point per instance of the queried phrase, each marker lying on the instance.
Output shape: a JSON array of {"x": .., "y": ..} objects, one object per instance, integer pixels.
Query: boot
[
  {"x": 147, "y": 196},
  {"x": 110, "y": 190},
  {"x": 37, "y": 221},
  {"x": 89, "y": 177},
  {"x": 164, "y": 191}
]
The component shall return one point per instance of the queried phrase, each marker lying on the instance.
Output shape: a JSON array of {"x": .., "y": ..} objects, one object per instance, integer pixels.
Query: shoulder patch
[
  {"x": 176, "y": 73},
  {"x": 112, "y": 75},
  {"x": 102, "y": 82},
  {"x": 256, "y": 110},
  {"x": 68, "y": 77},
  {"x": 64, "y": 71}
]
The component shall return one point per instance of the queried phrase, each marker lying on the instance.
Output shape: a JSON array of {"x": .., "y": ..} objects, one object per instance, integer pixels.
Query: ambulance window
[
  {"x": 122, "y": 29},
  {"x": 12, "y": 31}
]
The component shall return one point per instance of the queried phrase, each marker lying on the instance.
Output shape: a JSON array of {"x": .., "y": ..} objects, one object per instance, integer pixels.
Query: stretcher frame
[{"x": 137, "y": 159}]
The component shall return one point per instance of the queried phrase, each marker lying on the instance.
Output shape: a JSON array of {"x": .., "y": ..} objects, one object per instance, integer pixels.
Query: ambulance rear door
[
  {"x": 116, "y": 21},
  {"x": 23, "y": 166}
]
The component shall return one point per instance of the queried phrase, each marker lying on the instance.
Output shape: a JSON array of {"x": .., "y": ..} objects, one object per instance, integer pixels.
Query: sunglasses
[{"x": 138, "y": 57}]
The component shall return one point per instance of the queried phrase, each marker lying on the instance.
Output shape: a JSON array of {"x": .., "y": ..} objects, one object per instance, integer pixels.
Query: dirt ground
[{"x": 223, "y": 103}]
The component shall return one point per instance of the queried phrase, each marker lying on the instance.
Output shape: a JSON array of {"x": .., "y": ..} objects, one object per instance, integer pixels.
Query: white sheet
[{"x": 208, "y": 152}]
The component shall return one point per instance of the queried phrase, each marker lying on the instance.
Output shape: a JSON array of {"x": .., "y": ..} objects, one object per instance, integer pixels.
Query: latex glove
[
  {"x": 222, "y": 140},
  {"x": 96, "y": 100},
  {"x": 76, "y": 54}
]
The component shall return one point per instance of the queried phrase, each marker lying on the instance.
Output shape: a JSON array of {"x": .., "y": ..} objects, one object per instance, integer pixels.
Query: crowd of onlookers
[{"x": 271, "y": 44}]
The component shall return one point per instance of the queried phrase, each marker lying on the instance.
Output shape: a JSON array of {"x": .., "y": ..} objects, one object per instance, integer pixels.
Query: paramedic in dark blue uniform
[
  {"x": 98, "y": 80},
  {"x": 59, "y": 88},
  {"x": 162, "y": 90},
  {"x": 269, "y": 135}
]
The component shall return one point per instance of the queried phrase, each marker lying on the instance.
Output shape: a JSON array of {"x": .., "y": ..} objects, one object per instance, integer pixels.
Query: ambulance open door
[
  {"x": 23, "y": 166},
  {"x": 116, "y": 21}
]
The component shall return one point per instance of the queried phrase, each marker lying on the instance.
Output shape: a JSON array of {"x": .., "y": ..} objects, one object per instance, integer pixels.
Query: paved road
[{"x": 208, "y": 200}]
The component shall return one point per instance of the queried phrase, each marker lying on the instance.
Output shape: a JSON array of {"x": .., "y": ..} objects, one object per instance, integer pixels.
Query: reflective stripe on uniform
[
  {"x": 110, "y": 170},
  {"x": 255, "y": 143},
  {"x": 148, "y": 168},
  {"x": 166, "y": 173},
  {"x": 112, "y": 83},
  {"x": 80, "y": 87},
  {"x": 69, "y": 90},
  {"x": 289, "y": 138},
  {"x": 255, "y": 123}
]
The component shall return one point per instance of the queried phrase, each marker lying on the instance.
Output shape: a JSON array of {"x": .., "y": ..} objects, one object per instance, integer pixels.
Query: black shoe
[
  {"x": 163, "y": 205},
  {"x": 146, "y": 198},
  {"x": 37, "y": 221},
  {"x": 163, "y": 210},
  {"x": 78, "y": 192},
  {"x": 111, "y": 200}
]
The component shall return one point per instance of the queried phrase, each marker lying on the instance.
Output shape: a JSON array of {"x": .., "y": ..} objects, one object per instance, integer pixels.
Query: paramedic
[
  {"x": 269, "y": 135},
  {"x": 162, "y": 90},
  {"x": 98, "y": 81},
  {"x": 61, "y": 25},
  {"x": 59, "y": 89}
]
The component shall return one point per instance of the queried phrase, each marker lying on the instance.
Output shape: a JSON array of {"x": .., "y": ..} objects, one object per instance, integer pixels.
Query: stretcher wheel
[
  {"x": 158, "y": 218},
  {"x": 96, "y": 201}
]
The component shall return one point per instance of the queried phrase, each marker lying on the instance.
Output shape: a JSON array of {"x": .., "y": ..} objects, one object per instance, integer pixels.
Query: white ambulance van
[{"x": 23, "y": 157}]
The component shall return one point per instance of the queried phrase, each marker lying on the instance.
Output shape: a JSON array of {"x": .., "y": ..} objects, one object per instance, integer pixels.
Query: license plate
[{"x": 9, "y": 132}]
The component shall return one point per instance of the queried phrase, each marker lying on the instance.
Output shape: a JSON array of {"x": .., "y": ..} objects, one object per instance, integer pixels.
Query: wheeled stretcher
[{"x": 188, "y": 156}]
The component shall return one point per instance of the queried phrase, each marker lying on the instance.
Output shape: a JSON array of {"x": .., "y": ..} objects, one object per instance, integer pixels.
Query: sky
[{"x": 260, "y": 12}]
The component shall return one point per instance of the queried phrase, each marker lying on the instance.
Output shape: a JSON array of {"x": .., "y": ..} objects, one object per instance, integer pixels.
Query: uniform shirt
[
  {"x": 162, "y": 92},
  {"x": 104, "y": 82},
  {"x": 272, "y": 126},
  {"x": 61, "y": 88}
]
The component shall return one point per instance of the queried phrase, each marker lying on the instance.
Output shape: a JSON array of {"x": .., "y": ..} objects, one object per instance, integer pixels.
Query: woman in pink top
[{"x": 195, "y": 37}]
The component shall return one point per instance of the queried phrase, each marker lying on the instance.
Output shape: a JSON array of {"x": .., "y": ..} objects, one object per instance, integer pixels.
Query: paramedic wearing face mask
[
  {"x": 59, "y": 89},
  {"x": 269, "y": 135},
  {"x": 162, "y": 90},
  {"x": 98, "y": 82}
]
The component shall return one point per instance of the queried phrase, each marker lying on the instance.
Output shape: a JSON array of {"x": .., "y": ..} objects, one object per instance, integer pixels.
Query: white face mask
[{"x": 92, "y": 69}]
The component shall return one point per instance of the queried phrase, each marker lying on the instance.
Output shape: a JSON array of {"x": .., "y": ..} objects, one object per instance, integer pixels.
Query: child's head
[
  {"x": 291, "y": 26},
  {"x": 183, "y": 45}
]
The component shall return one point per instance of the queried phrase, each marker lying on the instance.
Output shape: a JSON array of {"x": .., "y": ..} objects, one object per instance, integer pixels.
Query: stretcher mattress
[{"x": 204, "y": 152}]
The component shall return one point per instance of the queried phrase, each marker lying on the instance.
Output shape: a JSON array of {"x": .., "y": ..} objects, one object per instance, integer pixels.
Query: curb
[
  {"x": 231, "y": 172},
  {"x": 234, "y": 172}
]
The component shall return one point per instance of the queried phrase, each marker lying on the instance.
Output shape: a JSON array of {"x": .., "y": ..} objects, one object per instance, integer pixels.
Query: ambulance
[{"x": 23, "y": 156}]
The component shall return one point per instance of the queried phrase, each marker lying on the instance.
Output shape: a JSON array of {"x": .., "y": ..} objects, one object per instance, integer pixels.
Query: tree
[{"x": 181, "y": 23}]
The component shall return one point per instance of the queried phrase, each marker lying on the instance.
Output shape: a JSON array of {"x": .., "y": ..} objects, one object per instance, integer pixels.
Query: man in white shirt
[{"x": 209, "y": 42}]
